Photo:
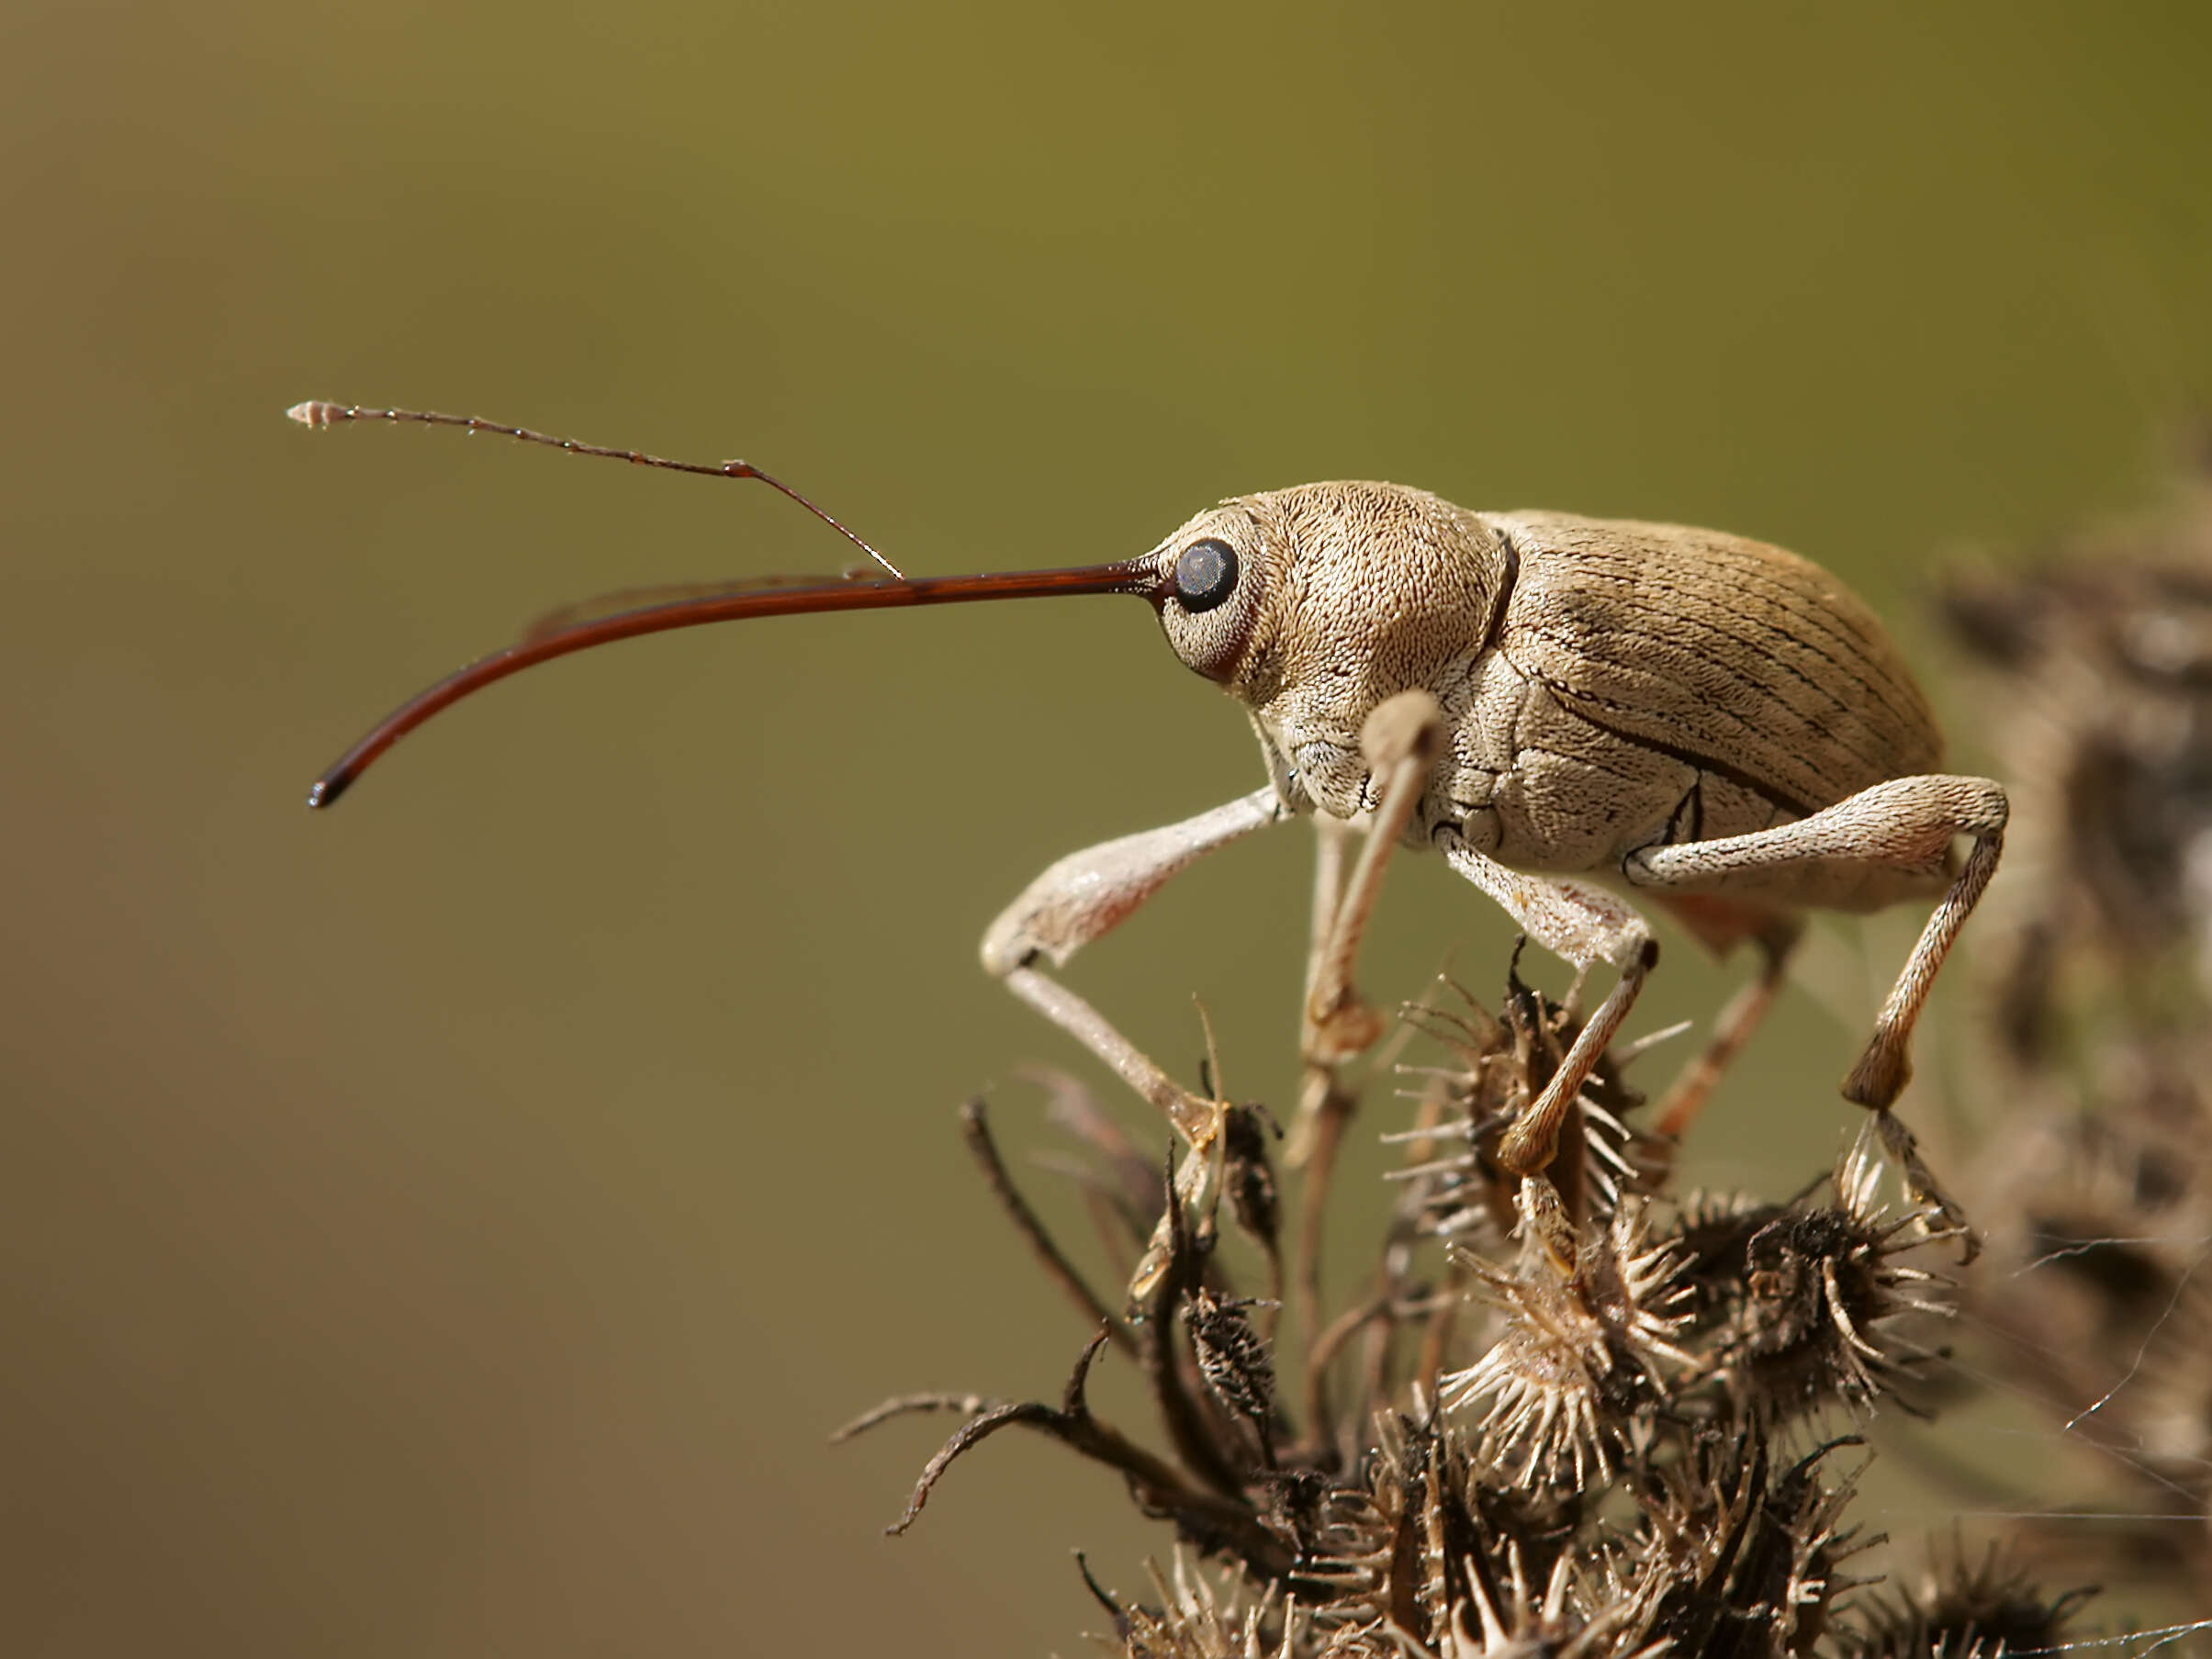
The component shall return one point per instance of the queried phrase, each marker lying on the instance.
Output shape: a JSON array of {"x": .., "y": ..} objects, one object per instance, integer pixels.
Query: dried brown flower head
[
  {"x": 1562, "y": 1444},
  {"x": 1823, "y": 1297},
  {"x": 1587, "y": 1343},
  {"x": 1961, "y": 1611}
]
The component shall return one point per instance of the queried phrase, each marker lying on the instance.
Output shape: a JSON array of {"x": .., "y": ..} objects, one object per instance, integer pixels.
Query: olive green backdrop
[{"x": 451, "y": 1226}]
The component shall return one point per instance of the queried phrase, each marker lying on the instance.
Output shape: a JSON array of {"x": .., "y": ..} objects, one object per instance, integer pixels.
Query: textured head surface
[{"x": 1347, "y": 593}]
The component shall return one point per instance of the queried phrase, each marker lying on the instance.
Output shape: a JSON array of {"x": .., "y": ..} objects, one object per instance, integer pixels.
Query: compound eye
[{"x": 1206, "y": 573}]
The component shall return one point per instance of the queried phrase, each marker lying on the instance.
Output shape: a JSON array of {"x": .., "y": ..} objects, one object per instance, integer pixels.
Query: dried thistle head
[
  {"x": 1498, "y": 1064},
  {"x": 2099, "y": 1304},
  {"x": 1955, "y": 1610},
  {"x": 1724, "y": 1550},
  {"x": 2105, "y": 1214},
  {"x": 1821, "y": 1299},
  {"x": 1193, "y": 1619},
  {"x": 1601, "y": 1475},
  {"x": 2098, "y": 1186},
  {"x": 1516, "y": 1618},
  {"x": 1587, "y": 1343}
]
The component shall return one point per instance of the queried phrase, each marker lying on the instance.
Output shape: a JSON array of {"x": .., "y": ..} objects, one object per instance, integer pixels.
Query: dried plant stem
[
  {"x": 975, "y": 1129},
  {"x": 1158, "y": 1486},
  {"x": 1334, "y": 1111}
]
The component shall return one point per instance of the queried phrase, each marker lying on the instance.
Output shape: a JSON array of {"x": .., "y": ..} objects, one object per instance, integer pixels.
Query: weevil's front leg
[
  {"x": 1906, "y": 824},
  {"x": 1587, "y": 925},
  {"x": 1399, "y": 739},
  {"x": 1084, "y": 895}
]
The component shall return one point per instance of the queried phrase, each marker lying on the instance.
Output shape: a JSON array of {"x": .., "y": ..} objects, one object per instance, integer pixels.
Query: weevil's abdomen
[{"x": 1753, "y": 665}]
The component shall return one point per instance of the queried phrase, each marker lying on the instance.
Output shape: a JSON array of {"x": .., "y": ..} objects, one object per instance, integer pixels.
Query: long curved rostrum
[{"x": 1124, "y": 576}]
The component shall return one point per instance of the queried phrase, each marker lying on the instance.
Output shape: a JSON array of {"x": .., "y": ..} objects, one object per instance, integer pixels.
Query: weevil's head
[{"x": 1311, "y": 605}]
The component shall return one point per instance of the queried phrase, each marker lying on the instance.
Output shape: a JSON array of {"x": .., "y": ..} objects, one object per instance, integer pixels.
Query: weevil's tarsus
[{"x": 1948, "y": 1217}]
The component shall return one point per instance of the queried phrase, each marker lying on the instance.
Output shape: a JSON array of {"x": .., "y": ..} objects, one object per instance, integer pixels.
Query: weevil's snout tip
[{"x": 324, "y": 791}]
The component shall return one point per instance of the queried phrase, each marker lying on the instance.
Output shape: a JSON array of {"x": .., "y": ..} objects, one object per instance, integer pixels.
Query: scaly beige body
[
  {"x": 1606, "y": 685},
  {"x": 1561, "y": 706}
]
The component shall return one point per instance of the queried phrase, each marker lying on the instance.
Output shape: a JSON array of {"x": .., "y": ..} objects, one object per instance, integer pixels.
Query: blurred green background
[{"x": 452, "y": 1226}]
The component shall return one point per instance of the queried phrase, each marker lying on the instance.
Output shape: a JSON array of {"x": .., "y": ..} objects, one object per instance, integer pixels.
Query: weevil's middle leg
[
  {"x": 1087, "y": 894},
  {"x": 1776, "y": 933},
  {"x": 1587, "y": 925}
]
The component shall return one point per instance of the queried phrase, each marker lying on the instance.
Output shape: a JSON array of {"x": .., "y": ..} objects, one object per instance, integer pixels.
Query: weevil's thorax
[{"x": 1356, "y": 591}]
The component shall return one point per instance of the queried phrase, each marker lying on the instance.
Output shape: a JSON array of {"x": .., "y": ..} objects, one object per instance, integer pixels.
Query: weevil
[{"x": 1577, "y": 714}]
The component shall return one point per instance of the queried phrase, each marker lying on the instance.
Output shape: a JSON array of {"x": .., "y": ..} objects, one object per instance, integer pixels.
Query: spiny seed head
[
  {"x": 1958, "y": 1611},
  {"x": 1498, "y": 1064},
  {"x": 1195, "y": 1620},
  {"x": 1822, "y": 1291},
  {"x": 1724, "y": 1546},
  {"x": 1586, "y": 1331},
  {"x": 1712, "y": 1231}
]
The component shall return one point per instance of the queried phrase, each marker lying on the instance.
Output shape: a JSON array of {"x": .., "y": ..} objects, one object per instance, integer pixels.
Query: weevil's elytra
[{"x": 1624, "y": 710}]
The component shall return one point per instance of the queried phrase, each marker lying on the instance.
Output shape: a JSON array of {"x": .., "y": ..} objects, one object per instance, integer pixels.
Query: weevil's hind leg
[
  {"x": 1776, "y": 933},
  {"x": 1908, "y": 823},
  {"x": 1087, "y": 894},
  {"x": 1887, "y": 1065},
  {"x": 1587, "y": 925}
]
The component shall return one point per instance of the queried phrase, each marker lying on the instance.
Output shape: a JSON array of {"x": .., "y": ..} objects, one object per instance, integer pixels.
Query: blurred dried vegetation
[{"x": 1595, "y": 1414}]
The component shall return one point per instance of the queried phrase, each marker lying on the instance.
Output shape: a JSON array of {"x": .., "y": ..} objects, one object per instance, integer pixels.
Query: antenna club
[{"x": 318, "y": 414}]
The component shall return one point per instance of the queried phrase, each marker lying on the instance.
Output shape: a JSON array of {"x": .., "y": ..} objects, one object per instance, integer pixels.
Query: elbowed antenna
[
  {"x": 317, "y": 414},
  {"x": 542, "y": 644},
  {"x": 580, "y": 627}
]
